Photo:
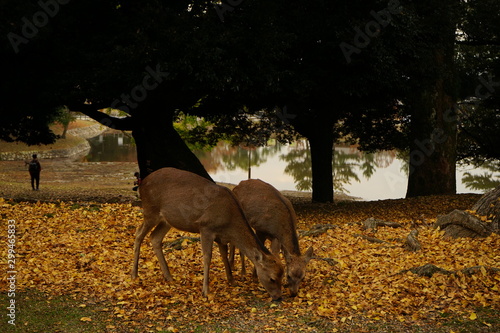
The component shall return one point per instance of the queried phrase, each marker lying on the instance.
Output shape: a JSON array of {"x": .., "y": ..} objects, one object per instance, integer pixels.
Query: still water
[
  {"x": 376, "y": 176},
  {"x": 112, "y": 147}
]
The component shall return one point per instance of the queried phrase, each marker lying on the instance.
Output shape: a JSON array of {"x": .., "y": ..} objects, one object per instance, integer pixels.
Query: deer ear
[{"x": 309, "y": 253}]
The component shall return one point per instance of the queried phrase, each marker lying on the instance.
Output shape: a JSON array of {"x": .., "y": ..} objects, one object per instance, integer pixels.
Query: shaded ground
[{"x": 80, "y": 283}]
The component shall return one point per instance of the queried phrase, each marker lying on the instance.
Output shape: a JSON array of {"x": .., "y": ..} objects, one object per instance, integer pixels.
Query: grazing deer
[
  {"x": 188, "y": 202},
  {"x": 272, "y": 216}
]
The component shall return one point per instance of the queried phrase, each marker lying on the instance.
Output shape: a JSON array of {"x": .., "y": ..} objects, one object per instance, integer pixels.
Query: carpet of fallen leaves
[{"x": 85, "y": 250}]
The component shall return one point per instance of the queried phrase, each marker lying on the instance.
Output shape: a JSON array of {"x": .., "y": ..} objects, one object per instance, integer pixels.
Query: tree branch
[
  {"x": 478, "y": 42},
  {"x": 91, "y": 110}
]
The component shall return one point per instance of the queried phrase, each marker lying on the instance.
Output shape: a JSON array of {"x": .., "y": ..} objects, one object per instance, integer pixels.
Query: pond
[
  {"x": 374, "y": 176},
  {"x": 112, "y": 146}
]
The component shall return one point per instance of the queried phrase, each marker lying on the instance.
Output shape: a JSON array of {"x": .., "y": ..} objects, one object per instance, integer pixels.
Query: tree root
[
  {"x": 318, "y": 229},
  {"x": 461, "y": 224},
  {"x": 371, "y": 239},
  {"x": 373, "y": 223},
  {"x": 429, "y": 269},
  {"x": 489, "y": 206},
  {"x": 177, "y": 244},
  {"x": 330, "y": 261},
  {"x": 412, "y": 243}
]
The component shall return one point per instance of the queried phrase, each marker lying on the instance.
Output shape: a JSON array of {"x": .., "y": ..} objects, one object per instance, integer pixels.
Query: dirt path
[
  {"x": 70, "y": 181},
  {"x": 67, "y": 180}
]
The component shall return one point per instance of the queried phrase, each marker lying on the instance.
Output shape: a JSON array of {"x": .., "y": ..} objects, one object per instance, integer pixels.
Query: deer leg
[
  {"x": 262, "y": 238},
  {"x": 275, "y": 247},
  {"x": 206, "y": 248},
  {"x": 232, "y": 254},
  {"x": 243, "y": 267},
  {"x": 156, "y": 241},
  {"x": 232, "y": 251},
  {"x": 227, "y": 266},
  {"x": 140, "y": 233}
]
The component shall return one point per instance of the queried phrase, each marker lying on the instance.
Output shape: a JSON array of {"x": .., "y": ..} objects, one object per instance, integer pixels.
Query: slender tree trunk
[
  {"x": 65, "y": 130},
  {"x": 319, "y": 131},
  {"x": 322, "y": 166}
]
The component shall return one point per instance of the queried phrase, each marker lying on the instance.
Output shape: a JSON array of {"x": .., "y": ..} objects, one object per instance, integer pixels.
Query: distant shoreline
[
  {"x": 75, "y": 144},
  {"x": 67, "y": 180}
]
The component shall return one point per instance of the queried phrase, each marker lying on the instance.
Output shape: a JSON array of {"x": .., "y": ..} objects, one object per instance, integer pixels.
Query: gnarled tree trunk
[
  {"x": 489, "y": 206},
  {"x": 462, "y": 224},
  {"x": 157, "y": 142},
  {"x": 159, "y": 145}
]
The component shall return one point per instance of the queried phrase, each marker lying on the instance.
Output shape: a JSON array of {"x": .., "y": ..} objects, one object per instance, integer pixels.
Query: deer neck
[
  {"x": 251, "y": 247},
  {"x": 289, "y": 240}
]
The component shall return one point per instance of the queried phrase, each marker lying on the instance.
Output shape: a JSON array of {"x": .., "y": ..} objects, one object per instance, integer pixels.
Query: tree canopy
[{"x": 359, "y": 70}]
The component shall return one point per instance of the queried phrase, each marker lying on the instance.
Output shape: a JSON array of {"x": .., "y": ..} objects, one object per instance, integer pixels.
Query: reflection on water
[
  {"x": 380, "y": 175},
  {"x": 112, "y": 146}
]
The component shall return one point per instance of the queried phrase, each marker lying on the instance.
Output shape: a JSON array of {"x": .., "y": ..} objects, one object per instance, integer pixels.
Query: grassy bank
[{"x": 69, "y": 142}]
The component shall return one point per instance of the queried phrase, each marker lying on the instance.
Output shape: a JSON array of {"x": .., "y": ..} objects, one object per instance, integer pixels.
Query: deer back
[
  {"x": 269, "y": 212},
  {"x": 192, "y": 203}
]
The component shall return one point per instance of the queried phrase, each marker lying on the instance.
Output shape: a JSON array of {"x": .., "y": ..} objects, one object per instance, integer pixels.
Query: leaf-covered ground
[{"x": 84, "y": 250}]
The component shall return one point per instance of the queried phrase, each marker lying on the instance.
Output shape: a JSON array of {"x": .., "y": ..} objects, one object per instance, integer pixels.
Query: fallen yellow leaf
[{"x": 78, "y": 250}]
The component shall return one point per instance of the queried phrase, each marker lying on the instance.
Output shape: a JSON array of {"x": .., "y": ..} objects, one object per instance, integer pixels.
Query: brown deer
[
  {"x": 272, "y": 216},
  {"x": 188, "y": 202}
]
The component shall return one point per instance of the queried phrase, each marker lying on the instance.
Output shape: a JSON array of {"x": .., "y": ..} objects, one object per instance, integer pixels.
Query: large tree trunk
[
  {"x": 159, "y": 146},
  {"x": 433, "y": 126},
  {"x": 433, "y": 148},
  {"x": 157, "y": 142}
]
